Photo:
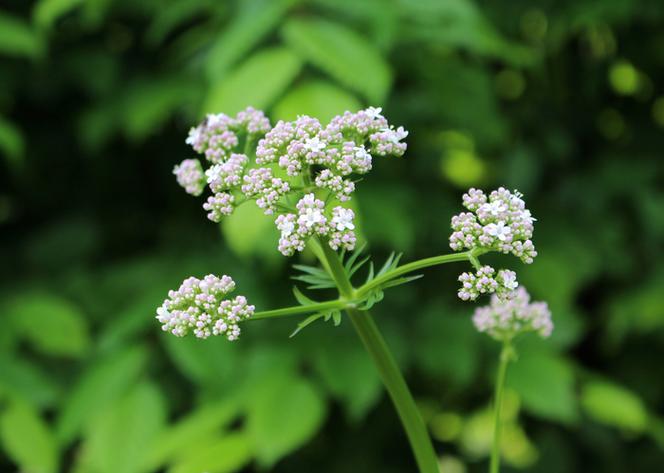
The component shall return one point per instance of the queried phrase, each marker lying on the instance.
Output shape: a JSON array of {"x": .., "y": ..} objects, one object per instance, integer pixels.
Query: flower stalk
[
  {"x": 374, "y": 343},
  {"x": 301, "y": 309},
  {"x": 506, "y": 355}
]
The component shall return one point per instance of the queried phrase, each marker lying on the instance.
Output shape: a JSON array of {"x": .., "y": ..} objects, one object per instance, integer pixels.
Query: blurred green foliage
[{"x": 562, "y": 100}]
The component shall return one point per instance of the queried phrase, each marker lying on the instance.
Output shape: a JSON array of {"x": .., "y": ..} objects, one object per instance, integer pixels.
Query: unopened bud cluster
[
  {"x": 486, "y": 281},
  {"x": 201, "y": 306},
  {"x": 503, "y": 319},
  {"x": 299, "y": 171}
]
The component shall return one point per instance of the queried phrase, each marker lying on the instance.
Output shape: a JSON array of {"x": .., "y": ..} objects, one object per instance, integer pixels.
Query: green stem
[
  {"x": 425, "y": 455},
  {"x": 416, "y": 265},
  {"x": 505, "y": 356},
  {"x": 300, "y": 309}
]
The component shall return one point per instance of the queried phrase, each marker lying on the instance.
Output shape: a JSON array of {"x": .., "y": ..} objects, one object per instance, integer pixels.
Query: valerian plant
[{"x": 302, "y": 173}]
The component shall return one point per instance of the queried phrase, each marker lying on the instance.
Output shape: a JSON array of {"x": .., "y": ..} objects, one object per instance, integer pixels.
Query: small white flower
[
  {"x": 163, "y": 315},
  {"x": 494, "y": 208},
  {"x": 310, "y": 217},
  {"x": 343, "y": 220},
  {"x": 361, "y": 153},
  {"x": 214, "y": 120},
  {"x": 286, "y": 227},
  {"x": 527, "y": 217},
  {"x": 373, "y": 112},
  {"x": 498, "y": 230},
  {"x": 314, "y": 144},
  {"x": 213, "y": 173},
  {"x": 509, "y": 280},
  {"x": 194, "y": 135},
  {"x": 398, "y": 135}
]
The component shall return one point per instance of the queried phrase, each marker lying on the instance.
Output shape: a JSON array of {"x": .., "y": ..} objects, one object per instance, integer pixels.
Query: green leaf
[
  {"x": 46, "y": 12},
  {"x": 102, "y": 383},
  {"x": 341, "y": 52},
  {"x": 400, "y": 281},
  {"x": 218, "y": 455},
  {"x": 545, "y": 382},
  {"x": 12, "y": 144},
  {"x": 460, "y": 23},
  {"x": 165, "y": 20},
  {"x": 212, "y": 363},
  {"x": 348, "y": 373},
  {"x": 51, "y": 324},
  {"x": 447, "y": 346},
  {"x": 250, "y": 232},
  {"x": 117, "y": 439},
  {"x": 614, "y": 405},
  {"x": 149, "y": 103},
  {"x": 379, "y": 218},
  {"x": 179, "y": 440},
  {"x": 318, "y": 99},
  {"x": 306, "y": 322},
  {"x": 391, "y": 263},
  {"x": 463, "y": 96},
  {"x": 255, "y": 20},
  {"x": 23, "y": 379},
  {"x": 258, "y": 82},
  {"x": 301, "y": 298},
  {"x": 27, "y": 439},
  {"x": 282, "y": 416},
  {"x": 18, "y": 39},
  {"x": 350, "y": 261}
]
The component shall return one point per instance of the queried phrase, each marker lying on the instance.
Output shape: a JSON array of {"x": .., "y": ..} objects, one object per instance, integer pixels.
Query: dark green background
[{"x": 562, "y": 100}]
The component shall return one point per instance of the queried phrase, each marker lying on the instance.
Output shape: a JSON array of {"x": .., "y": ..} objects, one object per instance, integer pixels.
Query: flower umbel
[
  {"x": 302, "y": 164},
  {"x": 503, "y": 319},
  {"x": 484, "y": 282},
  {"x": 499, "y": 222},
  {"x": 200, "y": 306}
]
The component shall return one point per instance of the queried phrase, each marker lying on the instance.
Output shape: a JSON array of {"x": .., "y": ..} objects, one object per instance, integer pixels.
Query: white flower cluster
[
  {"x": 300, "y": 162},
  {"x": 261, "y": 185},
  {"x": 312, "y": 219},
  {"x": 503, "y": 319},
  {"x": 189, "y": 174},
  {"x": 486, "y": 281},
  {"x": 200, "y": 306},
  {"x": 500, "y": 222},
  {"x": 219, "y": 134}
]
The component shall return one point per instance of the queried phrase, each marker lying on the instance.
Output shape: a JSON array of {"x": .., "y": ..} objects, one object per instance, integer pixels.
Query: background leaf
[
  {"x": 257, "y": 82},
  {"x": 46, "y": 12},
  {"x": 275, "y": 432},
  {"x": 614, "y": 405},
  {"x": 181, "y": 439},
  {"x": 11, "y": 142},
  {"x": 319, "y": 99},
  {"x": 103, "y": 382},
  {"x": 27, "y": 439},
  {"x": 545, "y": 383},
  {"x": 117, "y": 438},
  {"x": 18, "y": 39},
  {"x": 51, "y": 324},
  {"x": 254, "y": 21},
  {"x": 250, "y": 233},
  {"x": 217, "y": 455},
  {"x": 342, "y": 53}
]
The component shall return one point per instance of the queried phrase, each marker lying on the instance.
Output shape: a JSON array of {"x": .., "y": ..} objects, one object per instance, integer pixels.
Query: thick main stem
[
  {"x": 505, "y": 356},
  {"x": 373, "y": 341}
]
